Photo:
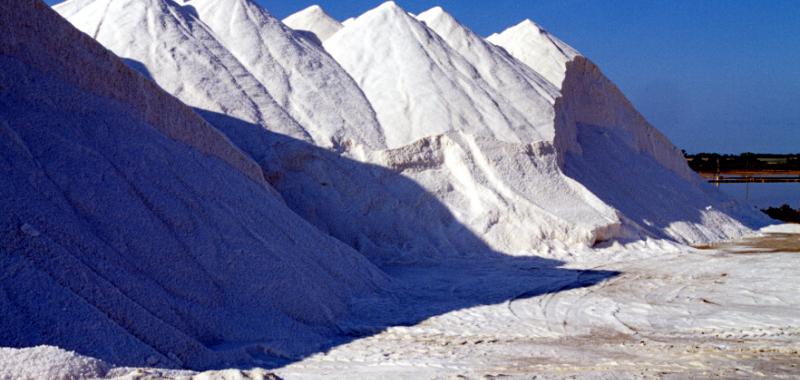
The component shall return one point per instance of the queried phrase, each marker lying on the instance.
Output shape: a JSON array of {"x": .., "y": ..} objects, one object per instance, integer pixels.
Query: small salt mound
[
  {"x": 46, "y": 362},
  {"x": 782, "y": 229}
]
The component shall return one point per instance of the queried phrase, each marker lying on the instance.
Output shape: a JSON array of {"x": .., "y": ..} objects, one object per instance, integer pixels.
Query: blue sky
[{"x": 713, "y": 75}]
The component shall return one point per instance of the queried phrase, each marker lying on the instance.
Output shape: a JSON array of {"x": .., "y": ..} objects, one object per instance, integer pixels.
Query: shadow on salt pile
[
  {"x": 438, "y": 264},
  {"x": 650, "y": 196}
]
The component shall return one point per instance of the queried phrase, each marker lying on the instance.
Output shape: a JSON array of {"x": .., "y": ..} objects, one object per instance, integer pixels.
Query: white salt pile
[{"x": 135, "y": 232}]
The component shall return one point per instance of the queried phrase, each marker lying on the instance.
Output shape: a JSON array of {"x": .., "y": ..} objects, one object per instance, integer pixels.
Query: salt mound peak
[
  {"x": 520, "y": 86},
  {"x": 390, "y": 6},
  {"x": 315, "y": 20},
  {"x": 437, "y": 12},
  {"x": 299, "y": 74},
  {"x": 537, "y": 48},
  {"x": 432, "y": 89},
  {"x": 167, "y": 43}
]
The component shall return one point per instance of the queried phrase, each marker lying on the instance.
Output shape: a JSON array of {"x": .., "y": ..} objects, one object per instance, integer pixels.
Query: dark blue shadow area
[
  {"x": 450, "y": 268},
  {"x": 139, "y": 67}
]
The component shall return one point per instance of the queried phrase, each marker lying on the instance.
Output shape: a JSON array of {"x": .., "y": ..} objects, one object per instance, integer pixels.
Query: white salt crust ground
[
  {"x": 669, "y": 313},
  {"x": 782, "y": 229}
]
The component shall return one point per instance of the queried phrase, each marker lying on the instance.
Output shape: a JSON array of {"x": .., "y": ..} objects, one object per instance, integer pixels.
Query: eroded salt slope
[
  {"x": 420, "y": 86},
  {"x": 314, "y": 20},
  {"x": 607, "y": 146},
  {"x": 443, "y": 197},
  {"x": 137, "y": 238},
  {"x": 538, "y": 49},
  {"x": 169, "y": 44},
  {"x": 299, "y": 74}
]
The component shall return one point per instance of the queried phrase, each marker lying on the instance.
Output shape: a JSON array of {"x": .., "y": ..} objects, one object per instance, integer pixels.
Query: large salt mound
[
  {"x": 642, "y": 191},
  {"x": 420, "y": 86},
  {"x": 393, "y": 219},
  {"x": 314, "y": 20},
  {"x": 299, "y": 74},
  {"x": 538, "y": 49},
  {"x": 512, "y": 196},
  {"x": 133, "y": 231}
]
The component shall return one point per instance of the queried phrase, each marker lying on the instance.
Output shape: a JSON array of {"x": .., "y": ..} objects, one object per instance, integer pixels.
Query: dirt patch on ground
[{"x": 770, "y": 243}]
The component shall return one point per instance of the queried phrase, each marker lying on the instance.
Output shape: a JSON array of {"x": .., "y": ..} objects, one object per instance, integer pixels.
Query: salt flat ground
[
  {"x": 667, "y": 314},
  {"x": 648, "y": 310}
]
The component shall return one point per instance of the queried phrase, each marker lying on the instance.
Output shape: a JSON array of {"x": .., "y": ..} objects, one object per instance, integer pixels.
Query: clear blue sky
[{"x": 713, "y": 75}]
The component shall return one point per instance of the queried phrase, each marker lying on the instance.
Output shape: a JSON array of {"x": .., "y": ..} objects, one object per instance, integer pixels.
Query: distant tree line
[
  {"x": 713, "y": 162},
  {"x": 784, "y": 213}
]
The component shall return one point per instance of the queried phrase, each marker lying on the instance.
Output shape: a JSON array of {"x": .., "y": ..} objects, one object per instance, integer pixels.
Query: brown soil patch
[{"x": 771, "y": 243}]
